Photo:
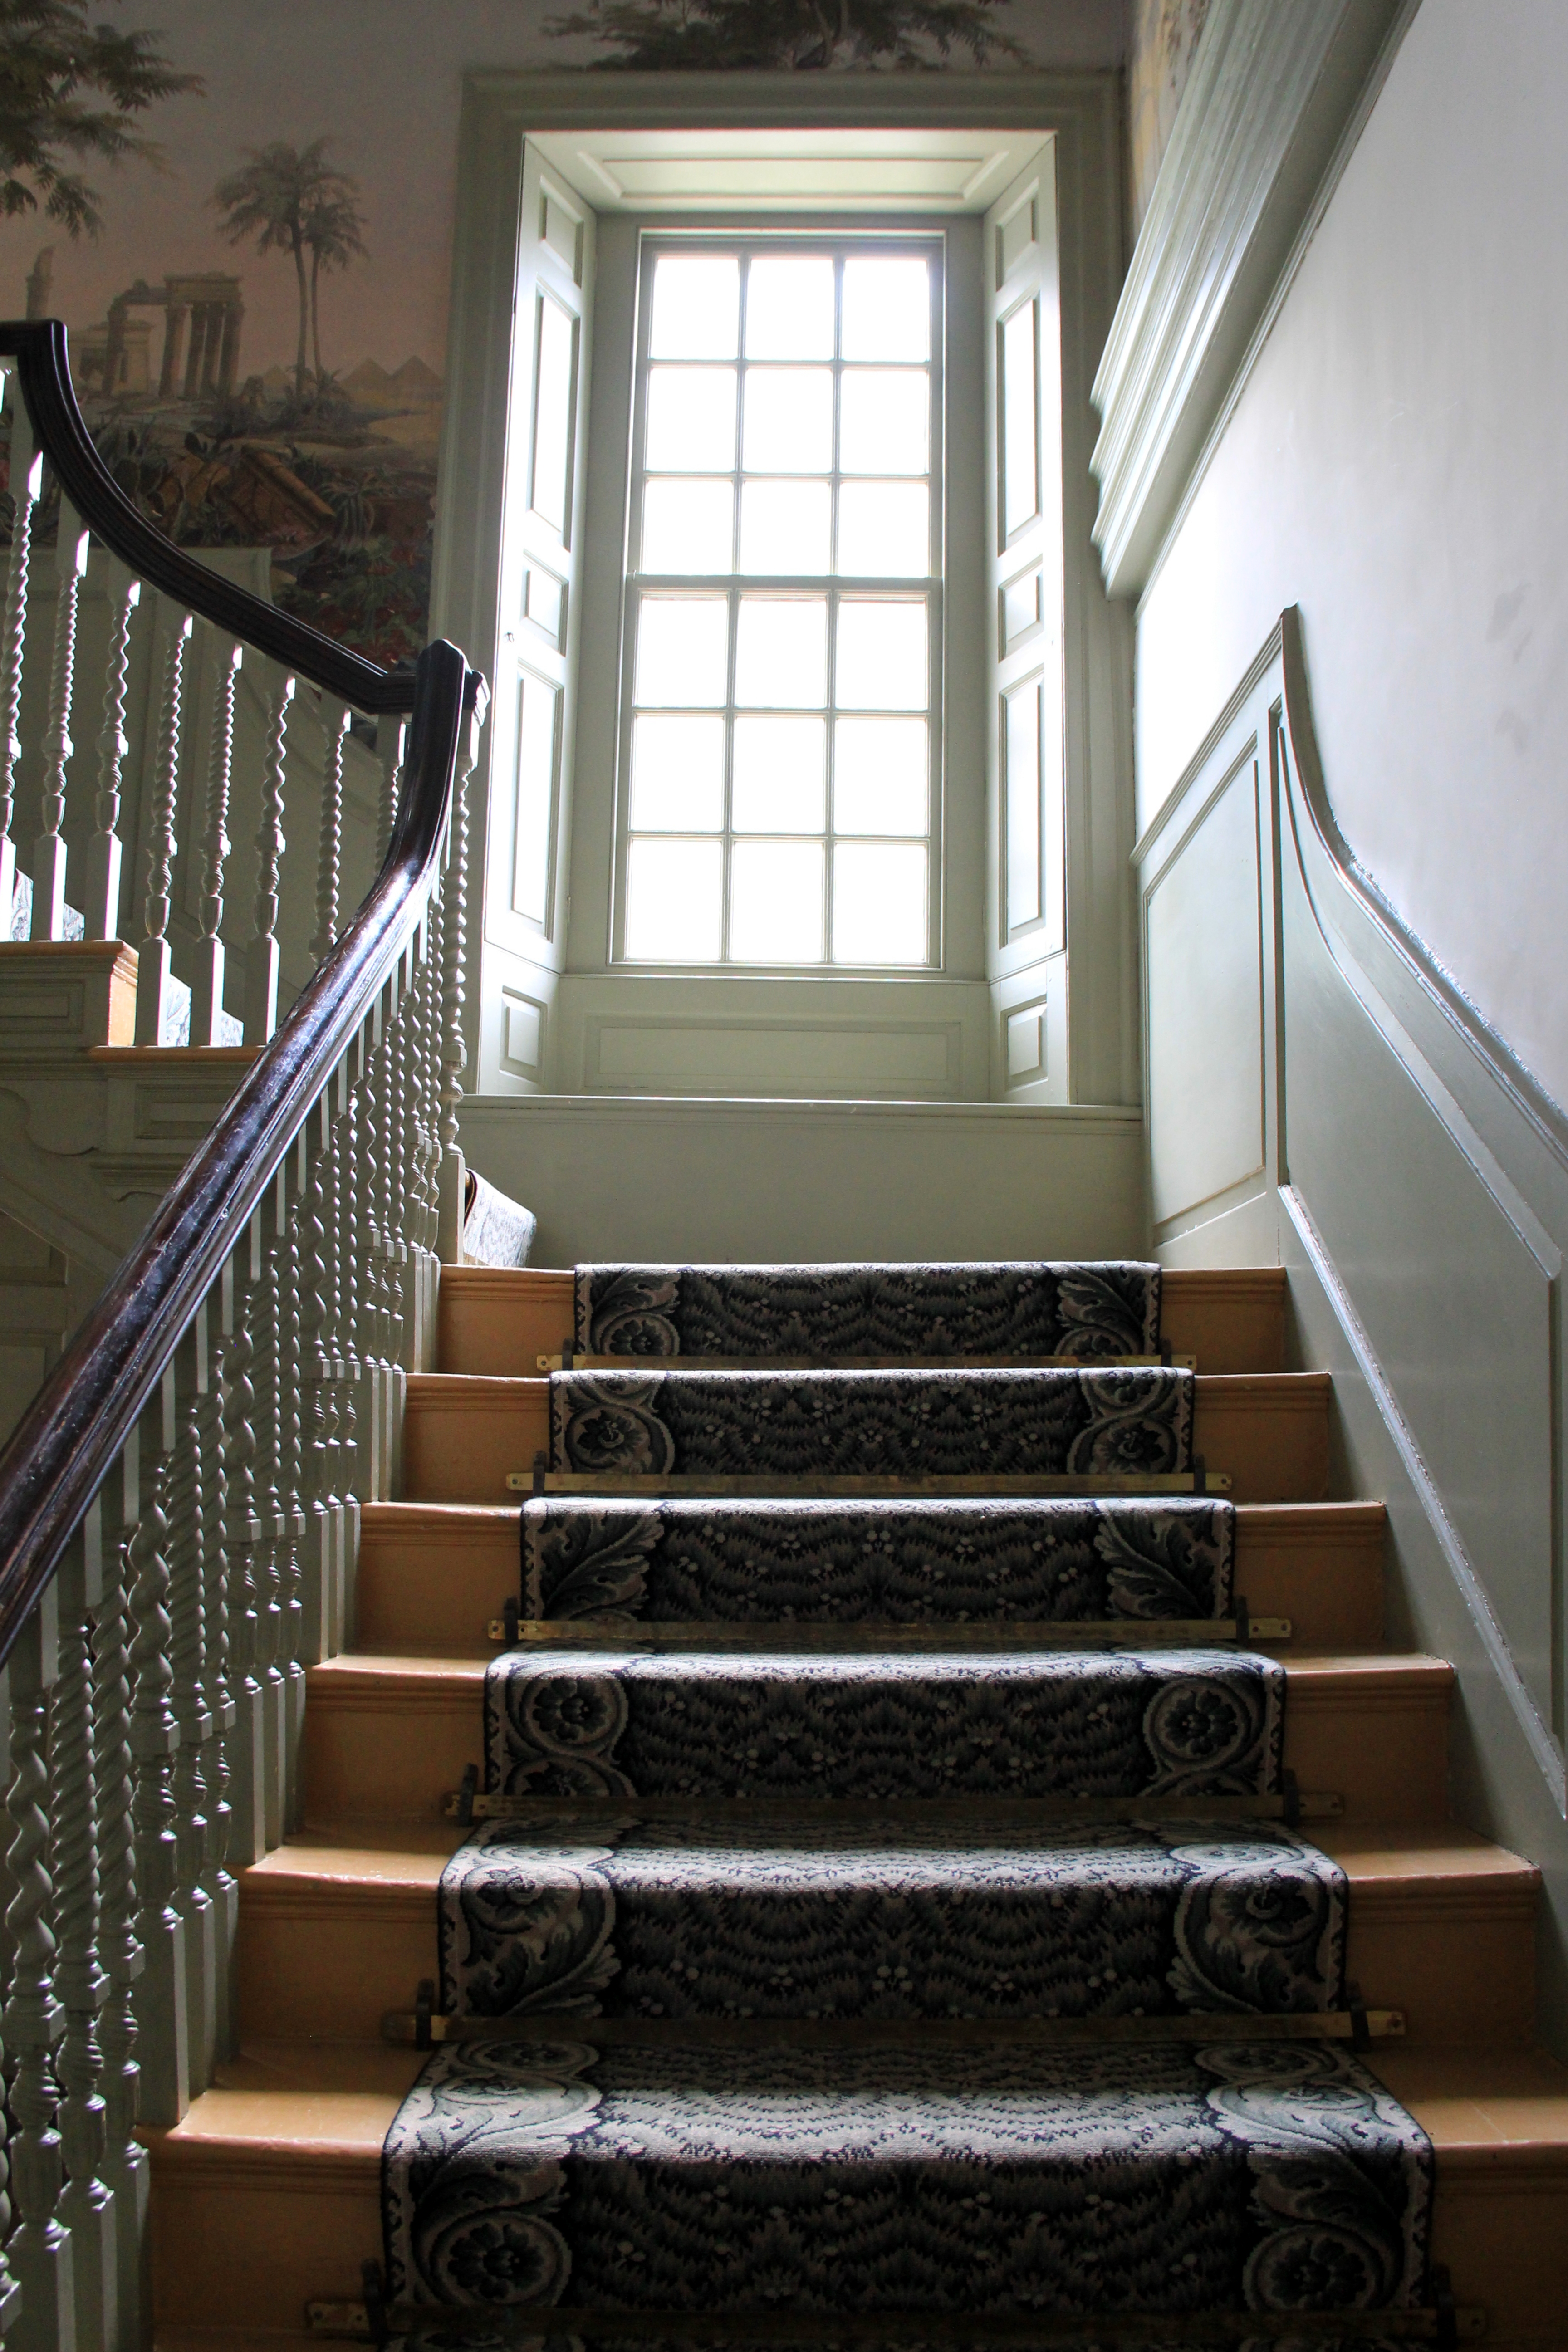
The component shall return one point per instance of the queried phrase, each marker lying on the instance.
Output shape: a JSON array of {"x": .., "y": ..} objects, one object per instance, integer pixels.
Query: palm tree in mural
[
  {"x": 333, "y": 223},
  {"x": 654, "y": 35},
  {"x": 53, "y": 65},
  {"x": 279, "y": 191}
]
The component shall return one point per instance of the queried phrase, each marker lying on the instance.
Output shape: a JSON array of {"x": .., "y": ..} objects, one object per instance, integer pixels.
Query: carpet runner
[{"x": 763, "y": 1959}]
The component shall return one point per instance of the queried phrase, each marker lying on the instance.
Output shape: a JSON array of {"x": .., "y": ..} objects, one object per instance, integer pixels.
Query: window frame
[{"x": 749, "y": 235}]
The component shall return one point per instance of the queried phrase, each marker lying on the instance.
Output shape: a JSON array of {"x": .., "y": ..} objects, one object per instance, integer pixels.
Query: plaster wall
[{"x": 1397, "y": 465}]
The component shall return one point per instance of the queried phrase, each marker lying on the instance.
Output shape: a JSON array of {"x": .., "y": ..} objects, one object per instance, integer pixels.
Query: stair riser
[
  {"x": 431, "y": 1585},
  {"x": 500, "y": 1321},
  {"x": 461, "y": 1441},
  {"x": 1461, "y": 1971},
  {"x": 223, "y": 2246},
  {"x": 393, "y": 1757}
]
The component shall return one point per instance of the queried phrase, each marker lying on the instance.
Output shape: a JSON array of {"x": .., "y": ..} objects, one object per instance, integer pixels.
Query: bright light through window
[{"x": 783, "y": 607}]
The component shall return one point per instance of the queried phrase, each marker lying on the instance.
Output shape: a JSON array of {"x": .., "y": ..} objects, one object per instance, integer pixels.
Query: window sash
[{"x": 830, "y": 587}]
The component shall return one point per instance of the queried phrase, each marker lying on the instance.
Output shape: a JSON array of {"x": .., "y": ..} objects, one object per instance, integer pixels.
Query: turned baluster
[
  {"x": 187, "y": 1651},
  {"x": 391, "y": 728},
  {"x": 49, "y": 849},
  {"x": 335, "y": 715},
  {"x": 263, "y": 955},
  {"x": 454, "y": 1052},
  {"x": 27, "y": 482},
  {"x": 86, "y": 2206},
  {"x": 247, "y": 1754},
  {"x": 105, "y": 851},
  {"x": 39, "y": 2249},
  {"x": 155, "y": 1743},
  {"x": 119, "y": 1948},
  {"x": 207, "y": 976},
  {"x": 217, "y": 1698},
  {"x": 152, "y": 957}
]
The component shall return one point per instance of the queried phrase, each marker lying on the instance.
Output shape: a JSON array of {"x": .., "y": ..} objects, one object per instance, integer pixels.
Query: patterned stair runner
[{"x": 746, "y": 1891}]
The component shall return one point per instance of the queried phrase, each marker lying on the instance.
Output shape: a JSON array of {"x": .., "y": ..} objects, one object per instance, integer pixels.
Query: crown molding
[{"x": 1272, "y": 92}]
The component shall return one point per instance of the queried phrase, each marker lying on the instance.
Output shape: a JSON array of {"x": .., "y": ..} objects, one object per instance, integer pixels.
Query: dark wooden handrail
[
  {"x": 43, "y": 368},
  {"x": 66, "y": 1443}
]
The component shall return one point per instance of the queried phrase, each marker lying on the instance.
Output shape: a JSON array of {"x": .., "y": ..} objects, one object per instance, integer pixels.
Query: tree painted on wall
[
  {"x": 290, "y": 200},
  {"x": 68, "y": 94},
  {"x": 663, "y": 34}
]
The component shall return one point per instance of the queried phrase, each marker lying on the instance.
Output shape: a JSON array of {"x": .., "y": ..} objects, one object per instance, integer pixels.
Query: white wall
[{"x": 1397, "y": 466}]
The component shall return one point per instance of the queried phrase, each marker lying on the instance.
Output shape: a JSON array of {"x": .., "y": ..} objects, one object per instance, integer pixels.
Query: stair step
[
  {"x": 500, "y": 1321},
  {"x": 268, "y": 2193},
  {"x": 335, "y": 1931},
  {"x": 389, "y": 1736},
  {"x": 431, "y": 1576},
  {"x": 465, "y": 1432}
]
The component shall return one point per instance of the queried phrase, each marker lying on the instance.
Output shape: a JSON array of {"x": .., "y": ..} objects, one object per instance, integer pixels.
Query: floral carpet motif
[
  {"x": 878, "y": 1423},
  {"x": 1268, "y": 2178},
  {"x": 887, "y": 1918},
  {"x": 1083, "y": 1311},
  {"x": 903, "y": 1562}
]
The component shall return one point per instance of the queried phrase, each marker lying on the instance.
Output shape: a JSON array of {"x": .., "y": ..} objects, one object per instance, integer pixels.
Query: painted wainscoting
[{"x": 1319, "y": 1094}]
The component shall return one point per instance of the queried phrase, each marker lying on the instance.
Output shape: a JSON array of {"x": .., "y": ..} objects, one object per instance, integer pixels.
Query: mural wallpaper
[
  {"x": 243, "y": 215},
  {"x": 1161, "y": 36}
]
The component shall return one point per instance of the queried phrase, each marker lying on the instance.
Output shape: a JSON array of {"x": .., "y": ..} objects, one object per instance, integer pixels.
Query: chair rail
[
  {"x": 39, "y": 349},
  {"x": 66, "y": 1442}
]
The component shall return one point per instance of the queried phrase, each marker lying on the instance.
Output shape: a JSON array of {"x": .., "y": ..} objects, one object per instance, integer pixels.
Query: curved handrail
[
  {"x": 67, "y": 1442},
  {"x": 39, "y": 347}
]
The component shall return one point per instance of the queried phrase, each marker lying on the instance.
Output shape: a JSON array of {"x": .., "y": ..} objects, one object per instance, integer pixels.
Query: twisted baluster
[
  {"x": 105, "y": 851},
  {"x": 86, "y": 2208},
  {"x": 339, "y": 1298},
  {"x": 27, "y": 482},
  {"x": 291, "y": 1561},
  {"x": 155, "y": 1742},
  {"x": 39, "y": 2250},
  {"x": 120, "y": 1946},
  {"x": 152, "y": 960},
  {"x": 247, "y": 1829},
  {"x": 269, "y": 1379},
  {"x": 454, "y": 1052},
  {"x": 335, "y": 719},
  {"x": 206, "y": 979},
  {"x": 390, "y": 730},
  {"x": 187, "y": 1616},
  {"x": 402, "y": 1140},
  {"x": 262, "y": 956},
  {"x": 216, "y": 1697},
  {"x": 317, "y": 1377},
  {"x": 49, "y": 849}
]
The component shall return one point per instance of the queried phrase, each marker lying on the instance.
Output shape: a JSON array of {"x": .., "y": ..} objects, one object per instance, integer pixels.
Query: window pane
[
  {"x": 677, "y": 773},
  {"x": 673, "y": 910},
  {"x": 881, "y": 656},
  {"x": 696, "y": 306},
  {"x": 879, "y": 775},
  {"x": 879, "y": 902},
  {"x": 780, "y": 779},
  {"x": 789, "y": 421},
  {"x": 789, "y": 307},
  {"x": 884, "y": 529},
  {"x": 781, "y": 652},
  {"x": 682, "y": 643},
  {"x": 884, "y": 421},
  {"x": 776, "y": 902},
  {"x": 887, "y": 308},
  {"x": 690, "y": 420},
  {"x": 786, "y": 527},
  {"x": 687, "y": 526}
]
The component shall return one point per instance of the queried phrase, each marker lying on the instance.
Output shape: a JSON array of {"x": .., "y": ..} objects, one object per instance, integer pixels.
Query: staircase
[{"x": 266, "y": 2195}]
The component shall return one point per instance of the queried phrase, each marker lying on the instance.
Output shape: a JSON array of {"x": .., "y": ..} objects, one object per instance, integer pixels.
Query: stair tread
[
  {"x": 1390, "y": 1867},
  {"x": 282, "y": 2098}
]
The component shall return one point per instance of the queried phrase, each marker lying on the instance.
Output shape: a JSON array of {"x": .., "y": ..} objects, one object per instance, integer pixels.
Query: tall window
[{"x": 780, "y": 786}]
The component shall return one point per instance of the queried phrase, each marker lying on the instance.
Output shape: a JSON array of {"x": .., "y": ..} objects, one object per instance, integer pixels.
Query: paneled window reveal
[{"x": 779, "y": 771}]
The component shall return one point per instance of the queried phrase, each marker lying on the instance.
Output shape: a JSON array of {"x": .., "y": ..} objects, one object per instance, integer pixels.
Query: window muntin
[{"x": 780, "y": 742}]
